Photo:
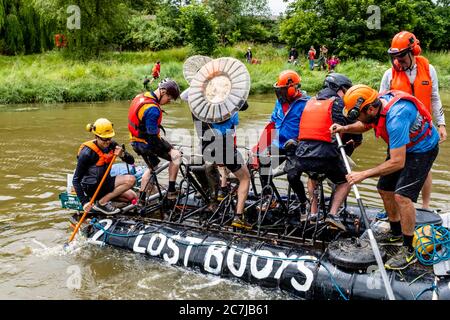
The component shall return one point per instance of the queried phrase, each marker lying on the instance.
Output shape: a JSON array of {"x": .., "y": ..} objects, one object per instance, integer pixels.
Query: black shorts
[
  {"x": 152, "y": 153},
  {"x": 332, "y": 168},
  {"x": 409, "y": 181},
  {"x": 223, "y": 152},
  {"x": 107, "y": 187}
]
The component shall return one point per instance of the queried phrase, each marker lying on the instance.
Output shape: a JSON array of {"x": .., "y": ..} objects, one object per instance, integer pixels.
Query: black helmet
[
  {"x": 172, "y": 88},
  {"x": 336, "y": 81}
]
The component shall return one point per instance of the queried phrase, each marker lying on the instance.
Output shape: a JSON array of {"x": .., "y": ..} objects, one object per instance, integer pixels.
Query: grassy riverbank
[{"x": 50, "y": 77}]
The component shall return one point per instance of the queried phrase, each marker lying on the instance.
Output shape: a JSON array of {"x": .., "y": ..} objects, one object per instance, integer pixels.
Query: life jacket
[
  {"x": 135, "y": 114},
  {"x": 419, "y": 134},
  {"x": 103, "y": 158},
  {"x": 316, "y": 120},
  {"x": 422, "y": 86}
]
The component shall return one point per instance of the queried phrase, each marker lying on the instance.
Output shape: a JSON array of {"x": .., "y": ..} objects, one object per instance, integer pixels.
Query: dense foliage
[
  {"x": 29, "y": 26},
  {"x": 347, "y": 26}
]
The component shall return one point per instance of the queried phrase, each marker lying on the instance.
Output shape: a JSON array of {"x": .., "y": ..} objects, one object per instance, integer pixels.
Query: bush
[{"x": 146, "y": 34}]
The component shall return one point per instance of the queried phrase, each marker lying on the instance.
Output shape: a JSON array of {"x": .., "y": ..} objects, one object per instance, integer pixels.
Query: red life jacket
[
  {"x": 380, "y": 127},
  {"x": 422, "y": 86},
  {"x": 316, "y": 120},
  {"x": 103, "y": 158},
  {"x": 135, "y": 124}
]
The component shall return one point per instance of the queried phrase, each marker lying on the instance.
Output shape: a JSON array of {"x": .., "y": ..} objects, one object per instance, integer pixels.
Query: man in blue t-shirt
[{"x": 405, "y": 125}]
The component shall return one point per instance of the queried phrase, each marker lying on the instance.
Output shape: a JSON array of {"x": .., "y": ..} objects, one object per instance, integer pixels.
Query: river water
[{"x": 38, "y": 146}]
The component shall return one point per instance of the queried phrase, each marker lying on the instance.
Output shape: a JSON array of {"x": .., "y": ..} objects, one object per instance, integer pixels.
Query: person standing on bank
[
  {"x": 156, "y": 71},
  {"x": 94, "y": 156},
  {"x": 405, "y": 124},
  {"x": 311, "y": 57},
  {"x": 249, "y": 55},
  {"x": 412, "y": 73}
]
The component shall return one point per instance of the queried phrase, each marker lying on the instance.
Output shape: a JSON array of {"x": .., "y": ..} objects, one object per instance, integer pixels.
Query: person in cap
[
  {"x": 412, "y": 73},
  {"x": 145, "y": 124},
  {"x": 283, "y": 126},
  {"x": 405, "y": 124},
  {"x": 94, "y": 156},
  {"x": 317, "y": 150}
]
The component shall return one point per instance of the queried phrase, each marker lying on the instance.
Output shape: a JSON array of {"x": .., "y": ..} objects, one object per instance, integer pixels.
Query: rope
[
  {"x": 439, "y": 238},
  {"x": 107, "y": 234},
  {"x": 431, "y": 288}
]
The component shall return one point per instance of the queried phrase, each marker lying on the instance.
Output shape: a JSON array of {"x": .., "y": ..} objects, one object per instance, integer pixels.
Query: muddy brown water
[{"x": 38, "y": 145}]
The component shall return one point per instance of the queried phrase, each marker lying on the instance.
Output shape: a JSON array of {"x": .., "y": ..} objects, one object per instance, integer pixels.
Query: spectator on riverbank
[
  {"x": 323, "y": 57},
  {"x": 249, "y": 55},
  {"x": 293, "y": 56},
  {"x": 311, "y": 57},
  {"x": 332, "y": 63},
  {"x": 156, "y": 71}
]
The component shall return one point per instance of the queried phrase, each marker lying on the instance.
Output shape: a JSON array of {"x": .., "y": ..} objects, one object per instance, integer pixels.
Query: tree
[
  {"x": 102, "y": 23},
  {"x": 342, "y": 25},
  {"x": 200, "y": 28},
  {"x": 237, "y": 18}
]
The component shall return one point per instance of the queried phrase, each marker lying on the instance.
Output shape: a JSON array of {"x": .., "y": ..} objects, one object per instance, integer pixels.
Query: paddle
[
  {"x": 92, "y": 200},
  {"x": 373, "y": 242}
]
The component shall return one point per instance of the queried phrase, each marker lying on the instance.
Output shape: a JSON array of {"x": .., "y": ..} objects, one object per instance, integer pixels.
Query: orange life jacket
[
  {"x": 103, "y": 158},
  {"x": 422, "y": 86},
  {"x": 419, "y": 134},
  {"x": 316, "y": 120},
  {"x": 135, "y": 114}
]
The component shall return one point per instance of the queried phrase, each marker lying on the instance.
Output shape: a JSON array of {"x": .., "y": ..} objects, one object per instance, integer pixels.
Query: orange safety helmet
[
  {"x": 404, "y": 41},
  {"x": 356, "y": 98},
  {"x": 290, "y": 80}
]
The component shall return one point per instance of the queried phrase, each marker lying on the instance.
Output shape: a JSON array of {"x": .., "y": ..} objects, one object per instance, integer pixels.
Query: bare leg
[
  {"x": 174, "y": 165},
  {"x": 123, "y": 183},
  {"x": 311, "y": 186},
  {"x": 389, "y": 205},
  {"x": 407, "y": 213},
  {"x": 145, "y": 179},
  {"x": 426, "y": 191},
  {"x": 224, "y": 173},
  {"x": 244, "y": 185},
  {"x": 127, "y": 196},
  {"x": 340, "y": 194}
]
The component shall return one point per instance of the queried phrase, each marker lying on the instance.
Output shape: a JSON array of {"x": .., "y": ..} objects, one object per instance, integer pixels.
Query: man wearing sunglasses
[
  {"x": 144, "y": 123},
  {"x": 94, "y": 156},
  {"x": 405, "y": 124},
  {"x": 412, "y": 73}
]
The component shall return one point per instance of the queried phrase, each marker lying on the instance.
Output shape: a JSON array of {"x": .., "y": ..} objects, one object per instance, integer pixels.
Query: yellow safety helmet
[{"x": 102, "y": 127}]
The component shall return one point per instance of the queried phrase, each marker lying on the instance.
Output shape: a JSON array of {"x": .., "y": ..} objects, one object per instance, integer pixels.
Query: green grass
[{"x": 52, "y": 77}]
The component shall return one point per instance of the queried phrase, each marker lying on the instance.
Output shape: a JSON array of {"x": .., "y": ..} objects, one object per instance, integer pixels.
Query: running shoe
[
  {"x": 388, "y": 239},
  {"x": 335, "y": 221},
  {"x": 402, "y": 259},
  {"x": 240, "y": 223},
  {"x": 106, "y": 208}
]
